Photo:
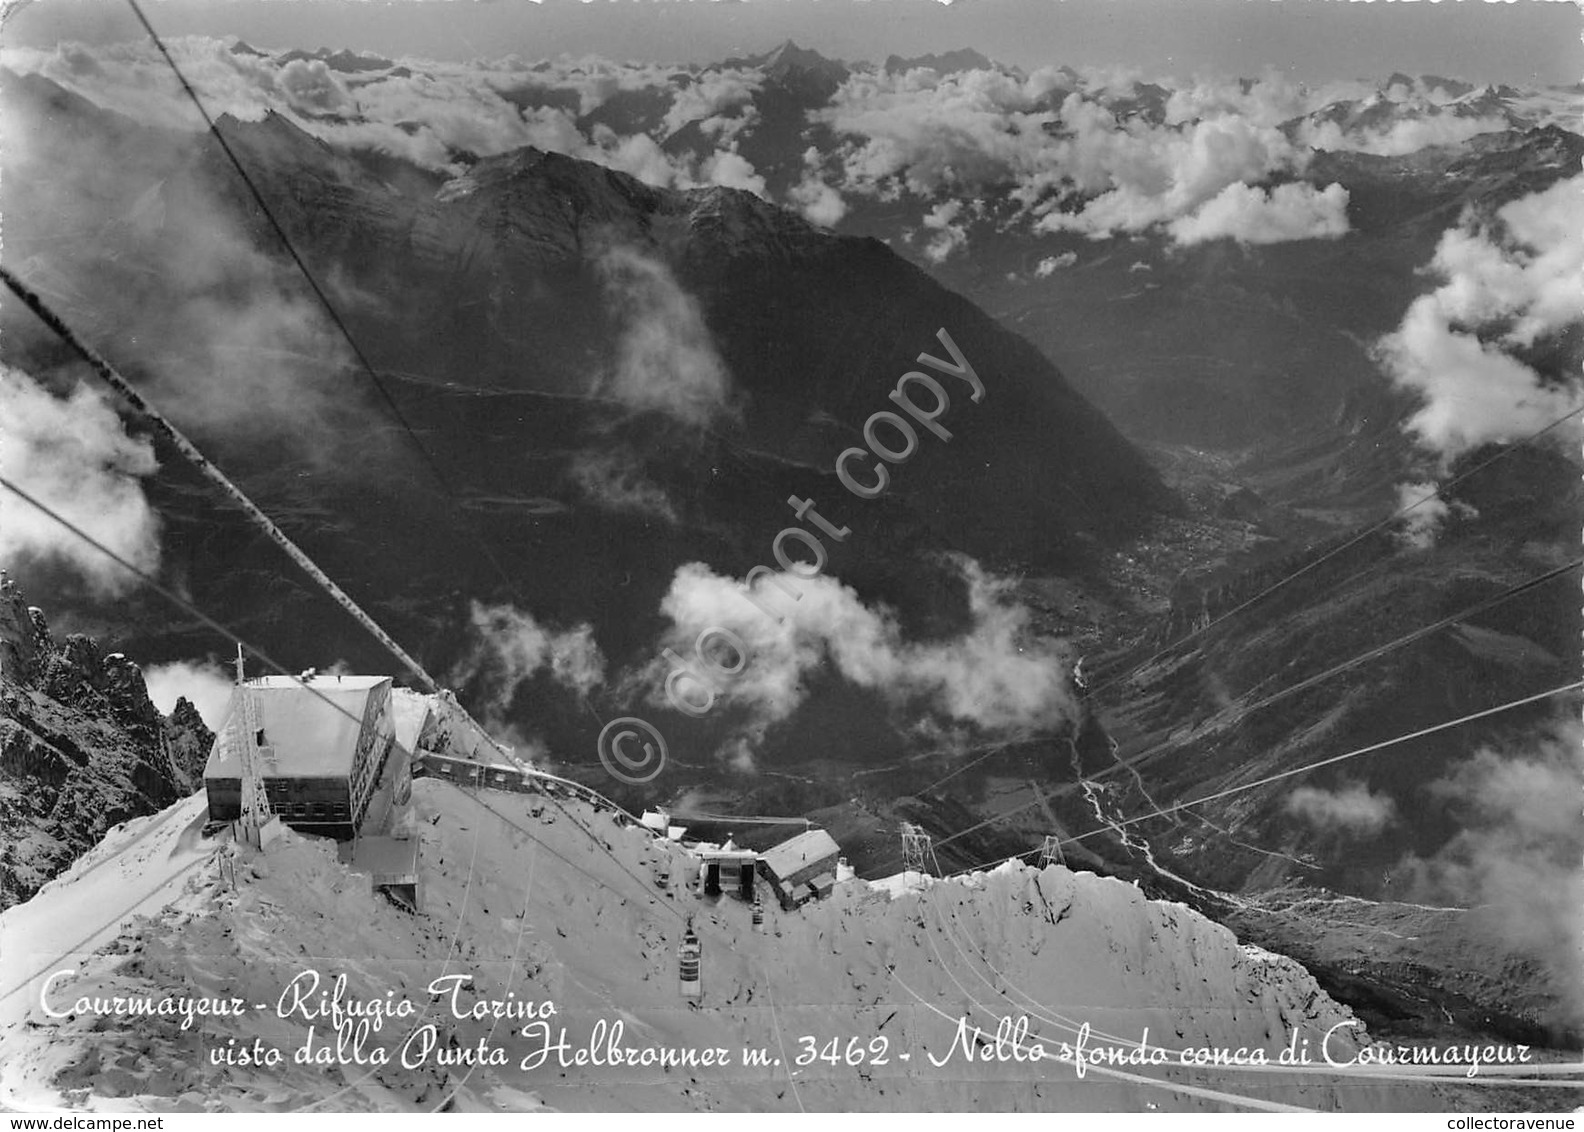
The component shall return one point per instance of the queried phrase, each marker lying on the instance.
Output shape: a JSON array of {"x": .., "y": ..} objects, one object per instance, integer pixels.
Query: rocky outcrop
[{"x": 82, "y": 748}]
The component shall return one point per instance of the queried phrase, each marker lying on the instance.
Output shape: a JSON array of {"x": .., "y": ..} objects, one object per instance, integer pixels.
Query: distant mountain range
[{"x": 630, "y": 313}]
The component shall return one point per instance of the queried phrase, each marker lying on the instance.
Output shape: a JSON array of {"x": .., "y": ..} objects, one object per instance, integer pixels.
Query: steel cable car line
[
  {"x": 187, "y": 448},
  {"x": 324, "y": 300},
  {"x": 690, "y": 952},
  {"x": 1302, "y": 685},
  {"x": 1240, "y": 713},
  {"x": 691, "y": 949},
  {"x": 1501, "y": 453},
  {"x": 1268, "y": 779}
]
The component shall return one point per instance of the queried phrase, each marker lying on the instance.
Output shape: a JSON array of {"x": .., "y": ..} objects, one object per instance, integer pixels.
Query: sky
[{"x": 1521, "y": 42}]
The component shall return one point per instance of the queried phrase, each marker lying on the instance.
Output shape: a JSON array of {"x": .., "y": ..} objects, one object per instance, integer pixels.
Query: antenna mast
[{"x": 255, "y": 802}]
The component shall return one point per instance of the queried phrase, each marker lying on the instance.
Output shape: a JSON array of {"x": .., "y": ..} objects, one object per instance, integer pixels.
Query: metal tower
[
  {"x": 1051, "y": 852},
  {"x": 255, "y": 802},
  {"x": 917, "y": 847}
]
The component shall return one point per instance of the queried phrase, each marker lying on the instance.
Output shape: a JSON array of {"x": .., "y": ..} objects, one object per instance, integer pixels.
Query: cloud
[
  {"x": 1423, "y": 523},
  {"x": 511, "y": 648},
  {"x": 616, "y": 481},
  {"x": 1350, "y": 809},
  {"x": 666, "y": 360},
  {"x": 708, "y": 97},
  {"x": 309, "y": 84},
  {"x": 1430, "y": 511},
  {"x": 1145, "y": 175},
  {"x": 425, "y": 111},
  {"x": 818, "y": 202},
  {"x": 74, "y": 455},
  {"x": 1270, "y": 100},
  {"x": 1252, "y": 215},
  {"x": 1508, "y": 284},
  {"x": 950, "y": 237},
  {"x": 813, "y": 197},
  {"x": 1517, "y": 858},
  {"x": 1053, "y": 263},
  {"x": 1403, "y": 136},
  {"x": 931, "y": 133},
  {"x": 1101, "y": 153},
  {"x": 998, "y": 675},
  {"x": 732, "y": 171},
  {"x": 202, "y": 682},
  {"x": 147, "y": 265}
]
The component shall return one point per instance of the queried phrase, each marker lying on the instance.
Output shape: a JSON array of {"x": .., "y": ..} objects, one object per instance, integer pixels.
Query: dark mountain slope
[
  {"x": 81, "y": 747},
  {"x": 503, "y": 311}
]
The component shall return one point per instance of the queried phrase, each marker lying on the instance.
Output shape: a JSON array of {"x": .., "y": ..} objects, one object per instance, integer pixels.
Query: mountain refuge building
[
  {"x": 802, "y": 868},
  {"x": 323, "y": 745}
]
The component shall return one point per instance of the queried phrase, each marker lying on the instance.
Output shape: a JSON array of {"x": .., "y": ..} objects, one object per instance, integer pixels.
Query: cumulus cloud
[
  {"x": 1104, "y": 153},
  {"x": 1517, "y": 859},
  {"x": 1508, "y": 283},
  {"x": 998, "y": 675},
  {"x": 666, "y": 360},
  {"x": 1352, "y": 809},
  {"x": 1428, "y": 514},
  {"x": 813, "y": 197},
  {"x": 511, "y": 648},
  {"x": 818, "y": 202},
  {"x": 1402, "y": 136},
  {"x": 1146, "y": 175},
  {"x": 201, "y": 682},
  {"x": 1421, "y": 525},
  {"x": 309, "y": 84},
  {"x": 1270, "y": 100},
  {"x": 1054, "y": 263},
  {"x": 950, "y": 236},
  {"x": 733, "y": 171},
  {"x": 933, "y": 133},
  {"x": 709, "y": 97},
  {"x": 74, "y": 455},
  {"x": 1252, "y": 215}
]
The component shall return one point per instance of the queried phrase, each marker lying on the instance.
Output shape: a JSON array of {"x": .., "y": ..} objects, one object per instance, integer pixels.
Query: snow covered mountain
[
  {"x": 544, "y": 902},
  {"x": 631, "y": 310},
  {"x": 81, "y": 747}
]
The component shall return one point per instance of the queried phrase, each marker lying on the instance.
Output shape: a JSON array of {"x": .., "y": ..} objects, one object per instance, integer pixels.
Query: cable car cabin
[{"x": 321, "y": 751}]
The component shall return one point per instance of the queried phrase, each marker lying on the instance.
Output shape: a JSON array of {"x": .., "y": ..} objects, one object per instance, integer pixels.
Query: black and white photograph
[{"x": 791, "y": 556}]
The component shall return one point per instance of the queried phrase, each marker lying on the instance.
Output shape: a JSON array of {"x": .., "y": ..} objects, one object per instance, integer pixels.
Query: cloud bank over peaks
[
  {"x": 1107, "y": 156},
  {"x": 1098, "y": 151},
  {"x": 431, "y": 113}
]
